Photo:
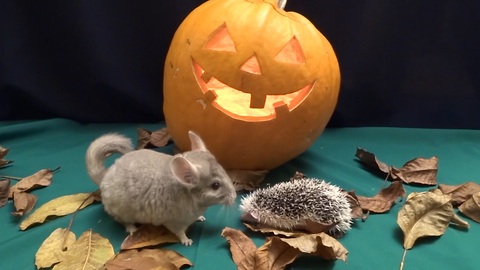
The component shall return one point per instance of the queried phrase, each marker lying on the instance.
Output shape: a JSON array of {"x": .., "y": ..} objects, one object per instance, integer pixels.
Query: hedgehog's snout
[{"x": 249, "y": 218}]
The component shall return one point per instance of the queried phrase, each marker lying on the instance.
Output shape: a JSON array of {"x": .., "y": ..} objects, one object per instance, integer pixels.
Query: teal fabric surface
[{"x": 373, "y": 244}]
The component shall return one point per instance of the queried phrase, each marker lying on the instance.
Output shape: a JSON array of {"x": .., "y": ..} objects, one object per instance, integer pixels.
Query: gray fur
[{"x": 149, "y": 187}]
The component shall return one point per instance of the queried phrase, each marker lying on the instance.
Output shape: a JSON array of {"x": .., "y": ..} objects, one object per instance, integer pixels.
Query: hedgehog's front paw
[{"x": 201, "y": 218}]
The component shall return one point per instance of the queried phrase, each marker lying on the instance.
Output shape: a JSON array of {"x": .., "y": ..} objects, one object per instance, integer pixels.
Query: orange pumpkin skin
[{"x": 220, "y": 40}]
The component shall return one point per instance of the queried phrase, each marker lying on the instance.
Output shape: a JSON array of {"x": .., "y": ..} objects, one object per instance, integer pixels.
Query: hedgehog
[{"x": 290, "y": 205}]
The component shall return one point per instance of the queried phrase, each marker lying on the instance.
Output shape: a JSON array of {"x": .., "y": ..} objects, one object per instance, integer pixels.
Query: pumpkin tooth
[
  {"x": 257, "y": 101},
  {"x": 210, "y": 95},
  {"x": 206, "y": 77},
  {"x": 281, "y": 108}
]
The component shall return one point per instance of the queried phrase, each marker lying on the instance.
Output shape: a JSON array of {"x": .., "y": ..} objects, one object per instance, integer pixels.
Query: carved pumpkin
[{"x": 257, "y": 83}]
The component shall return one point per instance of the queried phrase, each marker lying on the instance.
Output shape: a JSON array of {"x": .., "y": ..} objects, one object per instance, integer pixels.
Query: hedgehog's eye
[{"x": 215, "y": 185}]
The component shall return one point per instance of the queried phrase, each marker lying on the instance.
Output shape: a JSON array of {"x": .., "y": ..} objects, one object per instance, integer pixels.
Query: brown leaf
[
  {"x": 357, "y": 211},
  {"x": 280, "y": 253},
  {"x": 320, "y": 244},
  {"x": 471, "y": 207},
  {"x": 41, "y": 178},
  {"x": 241, "y": 247},
  {"x": 149, "y": 139},
  {"x": 97, "y": 195},
  {"x": 261, "y": 228},
  {"x": 144, "y": 259},
  {"x": 424, "y": 214},
  {"x": 418, "y": 171},
  {"x": 23, "y": 202},
  {"x": 315, "y": 227},
  {"x": 298, "y": 176},
  {"x": 371, "y": 160},
  {"x": 383, "y": 201},
  {"x": 246, "y": 179},
  {"x": 148, "y": 235},
  {"x": 3, "y": 153},
  {"x": 4, "y": 191},
  {"x": 460, "y": 193}
]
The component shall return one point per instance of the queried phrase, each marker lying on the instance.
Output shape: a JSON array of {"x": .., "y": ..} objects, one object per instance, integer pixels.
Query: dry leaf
[
  {"x": 57, "y": 207},
  {"x": 149, "y": 139},
  {"x": 97, "y": 195},
  {"x": 424, "y": 214},
  {"x": 418, "y": 171},
  {"x": 320, "y": 244},
  {"x": 148, "y": 235},
  {"x": 23, "y": 202},
  {"x": 383, "y": 201},
  {"x": 52, "y": 250},
  {"x": 158, "y": 259},
  {"x": 245, "y": 179},
  {"x": 460, "y": 193},
  {"x": 241, "y": 247},
  {"x": 261, "y": 228},
  {"x": 456, "y": 220},
  {"x": 3, "y": 153},
  {"x": 357, "y": 211},
  {"x": 471, "y": 207},
  {"x": 4, "y": 191},
  {"x": 276, "y": 253},
  {"x": 371, "y": 160},
  {"x": 298, "y": 176},
  {"x": 41, "y": 178},
  {"x": 279, "y": 255},
  {"x": 90, "y": 251}
]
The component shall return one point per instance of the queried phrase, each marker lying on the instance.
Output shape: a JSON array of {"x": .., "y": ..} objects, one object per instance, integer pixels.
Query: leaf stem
[
  {"x": 16, "y": 178},
  {"x": 386, "y": 177},
  {"x": 70, "y": 224},
  {"x": 402, "y": 263},
  {"x": 10, "y": 177}
]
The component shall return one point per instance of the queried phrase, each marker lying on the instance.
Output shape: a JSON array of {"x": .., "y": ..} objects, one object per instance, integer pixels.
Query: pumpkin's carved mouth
[{"x": 238, "y": 104}]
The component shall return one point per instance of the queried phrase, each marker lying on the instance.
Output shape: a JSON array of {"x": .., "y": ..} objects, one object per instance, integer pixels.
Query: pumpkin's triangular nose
[{"x": 252, "y": 66}]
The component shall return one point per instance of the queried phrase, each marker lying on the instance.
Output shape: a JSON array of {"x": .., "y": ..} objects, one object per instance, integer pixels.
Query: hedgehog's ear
[
  {"x": 196, "y": 141},
  {"x": 184, "y": 171}
]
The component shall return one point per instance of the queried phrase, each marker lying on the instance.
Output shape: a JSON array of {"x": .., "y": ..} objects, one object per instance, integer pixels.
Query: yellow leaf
[
  {"x": 471, "y": 208},
  {"x": 51, "y": 251},
  {"x": 90, "y": 252},
  {"x": 148, "y": 235},
  {"x": 57, "y": 207},
  {"x": 424, "y": 214}
]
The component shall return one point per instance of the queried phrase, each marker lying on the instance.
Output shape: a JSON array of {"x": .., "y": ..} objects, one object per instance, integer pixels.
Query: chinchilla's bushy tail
[{"x": 100, "y": 149}]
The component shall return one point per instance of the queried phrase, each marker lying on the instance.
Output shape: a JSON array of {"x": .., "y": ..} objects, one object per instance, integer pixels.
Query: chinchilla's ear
[
  {"x": 196, "y": 141},
  {"x": 184, "y": 171}
]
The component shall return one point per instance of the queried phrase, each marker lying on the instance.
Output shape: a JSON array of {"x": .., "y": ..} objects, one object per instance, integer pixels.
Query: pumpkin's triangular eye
[
  {"x": 220, "y": 40},
  {"x": 291, "y": 53},
  {"x": 251, "y": 66}
]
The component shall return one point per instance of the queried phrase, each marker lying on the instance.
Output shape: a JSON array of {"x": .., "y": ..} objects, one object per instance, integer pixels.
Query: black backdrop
[{"x": 411, "y": 63}]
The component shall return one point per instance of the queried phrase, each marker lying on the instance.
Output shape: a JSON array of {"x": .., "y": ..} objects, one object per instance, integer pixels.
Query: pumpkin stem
[{"x": 282, "y": 3}]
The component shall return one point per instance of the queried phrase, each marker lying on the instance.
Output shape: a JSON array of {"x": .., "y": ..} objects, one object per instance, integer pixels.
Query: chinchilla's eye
[{"x": 215, "y": 185}]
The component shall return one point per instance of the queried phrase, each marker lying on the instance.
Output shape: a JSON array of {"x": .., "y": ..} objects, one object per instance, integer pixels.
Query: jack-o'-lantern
[{"x": 257, "y": 83}]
